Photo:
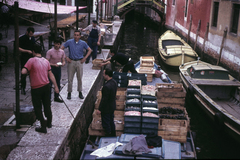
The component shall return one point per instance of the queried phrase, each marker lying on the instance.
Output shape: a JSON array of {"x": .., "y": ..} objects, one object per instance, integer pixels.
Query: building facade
[{"x": 221, "y": 15}]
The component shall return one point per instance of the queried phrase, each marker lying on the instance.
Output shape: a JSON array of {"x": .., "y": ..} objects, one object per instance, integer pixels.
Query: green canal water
[{"x": 140, "y": 37}]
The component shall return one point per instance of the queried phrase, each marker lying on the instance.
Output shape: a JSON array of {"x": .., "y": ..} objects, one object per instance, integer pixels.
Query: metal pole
[
  {"x": 105, "y": 9},
  {"x": 101, "y": 10},
  {"x": 16, "y": 49},
  {"x": 55, "y": 18},
  {"x": 97, "y": 10},
  {"x": 89, "y": 11},
  {"x": 77, "y": 14},
  {"x": 224, "y": 36}
]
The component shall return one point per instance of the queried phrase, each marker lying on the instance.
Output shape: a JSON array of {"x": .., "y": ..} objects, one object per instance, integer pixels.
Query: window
[
  {"x": 186, "y": 8},
  {"x": 235, "y": 17},
  {"x": 173, "y": 2},
  {"x": 215, "y": 14}
]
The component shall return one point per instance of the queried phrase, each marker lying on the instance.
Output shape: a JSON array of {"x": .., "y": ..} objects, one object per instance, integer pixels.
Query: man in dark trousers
[
  {"x": 26, "y": 43},
  {"x": 108, "y": 103},
  {"x": 122, "y": 59},
  {"x": 93, "y": 38},
  {"x": 39, "y": 70}
]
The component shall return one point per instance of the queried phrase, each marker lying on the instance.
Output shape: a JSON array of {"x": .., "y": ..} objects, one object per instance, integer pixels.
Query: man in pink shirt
[
  {"x": 56, "y": 57},
  {"x": 39, "y": 70}
]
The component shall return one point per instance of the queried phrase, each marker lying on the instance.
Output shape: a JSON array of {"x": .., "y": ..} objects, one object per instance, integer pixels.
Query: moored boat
[
  {"x": 216, "y": 91},
  {"x": 174, "y": 51}
]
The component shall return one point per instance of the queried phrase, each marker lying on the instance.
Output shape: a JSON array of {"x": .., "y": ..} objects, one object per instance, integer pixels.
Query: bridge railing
[{"x": 121, "y": 4}]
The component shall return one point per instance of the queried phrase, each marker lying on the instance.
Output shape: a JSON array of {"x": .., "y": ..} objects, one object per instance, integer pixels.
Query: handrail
[{"x": 124, "y": 4}]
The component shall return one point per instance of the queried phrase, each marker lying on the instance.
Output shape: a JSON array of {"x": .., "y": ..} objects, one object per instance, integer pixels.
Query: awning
[{"x": 43, "y": 7}]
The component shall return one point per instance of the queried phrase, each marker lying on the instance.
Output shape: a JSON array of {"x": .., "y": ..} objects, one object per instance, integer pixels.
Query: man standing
[
  {"x": 121, "y": 58},
  {"x": 108, "y": 103},
  {"x": 39, "y": 70},
  {"x": 56, "y": 58},
  {"x": 26, "y": 43},
  {"x": 93, "y": 38},
  {"x": 76, "y": 60}
]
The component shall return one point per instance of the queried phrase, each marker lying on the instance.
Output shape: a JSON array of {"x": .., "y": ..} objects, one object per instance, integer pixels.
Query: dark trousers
[
  {"x": 108, "y": 124},
  {"x": 129, "y": 67},
  {"x": 40, "y": 96},
  {"x": 92, "y": 43},
  {"x": 57, "y": 74}
]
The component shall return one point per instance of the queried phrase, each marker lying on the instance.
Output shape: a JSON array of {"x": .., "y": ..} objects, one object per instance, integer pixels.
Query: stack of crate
[
  {"x": 173, "y": 121},
  {"x": 132, "y": 123},
  {"x": 146, "y": 66},
  {"x": 95, "y": 127},
  {"x": 121, "y": 79}
]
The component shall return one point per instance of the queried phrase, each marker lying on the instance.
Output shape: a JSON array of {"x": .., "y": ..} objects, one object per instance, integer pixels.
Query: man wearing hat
[{"x": 93, "y": 38}]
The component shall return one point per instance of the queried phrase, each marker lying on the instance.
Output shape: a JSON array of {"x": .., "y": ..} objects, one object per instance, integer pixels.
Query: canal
[{"x": 140, "y": 37}]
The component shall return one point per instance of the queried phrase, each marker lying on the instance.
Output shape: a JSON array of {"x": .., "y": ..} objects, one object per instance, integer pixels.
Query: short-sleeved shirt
[
  {"x": 55, "y": 56},
  {"x": 26, "y": 43},
  {"x": 38, "y": 68},
  {"x": 76, "y": 48},
  {"x": 120, "y": 58},
  {"x": 90, "y": 27}
]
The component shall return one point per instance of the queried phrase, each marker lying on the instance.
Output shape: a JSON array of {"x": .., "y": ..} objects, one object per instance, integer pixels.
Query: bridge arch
[{"x": 124, "y": 11}]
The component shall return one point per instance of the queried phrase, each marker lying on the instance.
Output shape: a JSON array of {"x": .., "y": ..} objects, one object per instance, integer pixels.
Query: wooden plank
[
  {"x": 67, "y": 22},
  {"x": 169, "y": 87},
  {"x": 92, "y": 132},
  {"x": 215, "y": 82},
  {"x": 171, "y": 94},
  {"x": 117, "y": 114},
  {"x": 181, "y": 139},
  {"x": 230, "y": 107},
  {"x": 161, "y": 105},
  {"x": 171, "y": 100}
]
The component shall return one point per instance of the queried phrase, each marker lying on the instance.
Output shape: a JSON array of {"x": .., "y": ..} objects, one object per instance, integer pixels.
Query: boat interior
[
  {"x": 171, "y": 43},
  {"x": 225, "y": 96}
]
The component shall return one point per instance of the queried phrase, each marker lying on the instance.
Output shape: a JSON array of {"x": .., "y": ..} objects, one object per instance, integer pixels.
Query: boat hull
[{"x": 223, "y": 119}]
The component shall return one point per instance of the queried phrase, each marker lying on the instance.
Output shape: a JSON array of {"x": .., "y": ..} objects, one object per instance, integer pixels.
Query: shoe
[
  {"x": 57, "y": 99},
  {"x": 23, "y": 91},
  {"x": 86, "y": 62},
  {"x": 80, "y": 95},
  {"x": 41, "y": 129},
  {"x": 69, "y": 95},
  {"x": 49, "y": 125}
]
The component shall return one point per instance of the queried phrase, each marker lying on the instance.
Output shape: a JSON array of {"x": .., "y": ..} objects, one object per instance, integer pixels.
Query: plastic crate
[
  {"x": 136, "y": 108},
  {"x": 136, "y": 130},
  {"x": 132, "y": 124},
  {"x": 150, "y": 119},
  {"x": 133, "y": 91},
  {"x": 149, "y": 130},
  {"x": 150, "y": 125},
  {"x": 148, "y": 97},
  {"x": 145, "y": 104},
  {"x": 149, "y": 110},
  {"x": 132, "y": 118},
  {"x": 138, "y": 96}
]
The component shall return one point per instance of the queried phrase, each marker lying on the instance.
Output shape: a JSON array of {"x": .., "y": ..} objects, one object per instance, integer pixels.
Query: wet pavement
[{"x": 9, "y": 137}]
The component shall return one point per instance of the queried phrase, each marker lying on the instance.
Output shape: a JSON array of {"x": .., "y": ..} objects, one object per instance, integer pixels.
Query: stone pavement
[{"x": 8, "y": 136}]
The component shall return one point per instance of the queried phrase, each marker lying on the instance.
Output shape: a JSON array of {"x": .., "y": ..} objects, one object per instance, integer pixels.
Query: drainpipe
[
  {"x": 55, "y": 18},
  {"x": 77, "y": 15}
]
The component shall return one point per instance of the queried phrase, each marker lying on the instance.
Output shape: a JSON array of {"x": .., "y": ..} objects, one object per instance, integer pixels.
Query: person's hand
[
  {"x": 98, "y": 43},
  {"x": 68, "y": 60},
  {"x": 98, "y": 112},
  {"x": 56, "y": 89},
  {"x": 56, "y": 65},
  {"x": 63, "y": 63},
  {"x": 100, "y": 65},
  {"x": 83, "y": 60}
]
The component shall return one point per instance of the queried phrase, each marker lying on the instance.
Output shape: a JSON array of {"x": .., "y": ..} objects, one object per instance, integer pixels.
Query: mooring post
[
  {"x": 189, "y": 30},
  {"x": 77, "y": 9},
  {"x": 16, "y": 49},
  {"x": 224, "y": 36},
  {"x": 55, "y": 18},
  {"x": 205, "y": 37},
  {"x": 198, "y": 28},
  {"x": 89, "y": 11}
]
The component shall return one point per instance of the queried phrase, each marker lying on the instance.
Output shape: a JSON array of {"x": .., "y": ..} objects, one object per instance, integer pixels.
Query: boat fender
[{"x": 218, "y": 118}]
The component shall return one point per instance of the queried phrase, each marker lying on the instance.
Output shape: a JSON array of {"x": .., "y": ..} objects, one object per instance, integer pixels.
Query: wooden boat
[
  {"x": 174, "y": 51},
  {"x": 169, "y": 150},
  {"x": 216, "y": 91}
]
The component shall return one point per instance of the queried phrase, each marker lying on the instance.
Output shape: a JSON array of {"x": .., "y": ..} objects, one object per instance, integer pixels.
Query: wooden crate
[
  {"x": 169, "y": 87},
  {"x": 171, "y": 94},
  {"x": 120, "y": 105},
  {"x": 117, "y": 114},
  {"x": 97, "y": 103},
  {"x": 97, "y": 124},
  {"x": 176, "y": 107},
  {"x": 171, "y": 100},
  {"x": 161, "y": 105},
  {"x": 149, "y": 77},
  {"x": 93, "y": 132},
  {"x": 137, "y": 82},
  {"x": 147, "y": 61},
  {"x": 173, "y": 129}
]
